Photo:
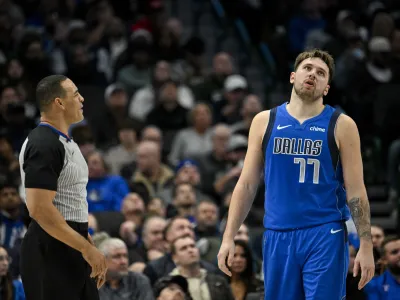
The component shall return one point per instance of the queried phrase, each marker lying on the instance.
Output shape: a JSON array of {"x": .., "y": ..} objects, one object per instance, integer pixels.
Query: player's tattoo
[{"x": 361, "y": 217}]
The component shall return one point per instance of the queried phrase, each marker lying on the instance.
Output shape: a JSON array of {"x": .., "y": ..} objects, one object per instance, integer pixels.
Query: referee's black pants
[{"x": 51, "y": 270}]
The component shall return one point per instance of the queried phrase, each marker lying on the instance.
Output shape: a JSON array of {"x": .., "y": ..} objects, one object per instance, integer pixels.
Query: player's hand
[
  {"x": 225, "y": 256},
  {"x": 97, "y": 261},
  {"x": 365, "y": 262}
]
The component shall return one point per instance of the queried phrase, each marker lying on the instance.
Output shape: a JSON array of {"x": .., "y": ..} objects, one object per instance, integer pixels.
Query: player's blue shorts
[{"x": 306, "y": 263}]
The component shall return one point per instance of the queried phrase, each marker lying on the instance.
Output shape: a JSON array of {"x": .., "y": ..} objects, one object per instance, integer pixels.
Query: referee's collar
[{"x": 56, "y": 131}]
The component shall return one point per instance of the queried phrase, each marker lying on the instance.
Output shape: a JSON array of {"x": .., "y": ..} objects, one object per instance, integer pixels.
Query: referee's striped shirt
[{"x": 51, "y": 160}]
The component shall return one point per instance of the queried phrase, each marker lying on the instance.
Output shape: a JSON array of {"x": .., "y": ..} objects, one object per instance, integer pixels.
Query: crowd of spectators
[{"x": 165, "y": 134}]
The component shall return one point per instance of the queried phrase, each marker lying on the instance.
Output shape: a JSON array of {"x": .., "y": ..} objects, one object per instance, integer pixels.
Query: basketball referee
[{"x": 58, "y": 258}]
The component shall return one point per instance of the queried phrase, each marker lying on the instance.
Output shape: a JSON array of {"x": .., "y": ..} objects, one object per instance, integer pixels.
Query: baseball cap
[
  {"x": 163, "y": 282},
  {"x": 112, "y": 88},
  {"x": 185, "y": 163},
  {"x": 379, "y": 44},
  {"x": 237, "y": 142},
  {"x": 234, "y": 82}
]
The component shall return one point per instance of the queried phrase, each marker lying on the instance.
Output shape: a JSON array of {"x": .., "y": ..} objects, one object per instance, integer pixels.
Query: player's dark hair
[
  {"x": 317, "y": 53},
  {"x": 48, "y": 89}
]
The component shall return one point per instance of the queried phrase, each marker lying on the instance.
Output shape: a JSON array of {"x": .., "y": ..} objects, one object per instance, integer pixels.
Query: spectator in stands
[
  {"x": 191, "y": 70},
  {"x": 122, "y": 283},
  {"x": 157, "y": 207},
  {"x": 206, "y": 219},
  {"x": 153, "y": 244},
  {"x": 137, "y": 73},
  {"x": 9, "y": 165},
  {"x": 145, "y": 99},
  {"x": 12, "y": 227},
  {"x": 227, "y": 110},
  {"x": 211, "y": 89},
  {"x": 345, "y": 25},
  {"x": 184, "y": 200},
  {"x": 153, "y": 134},
  {"x": 213, "y": 164},
  {"x": 236, "y": 152},
  {"x": 193, "y": 141},
  {"x": 125, "y": 152},
  {"x": 168, "y": 115},
  {"x": 201, "y": 283},
  {"x": 83, "y": 136},
  {"x": 243, "y": 280},
  {"x": 133, "y": 210},
  {"x": 158, "y": 268},
  {"x": 386, "y": 286},
  {"x": 83, "y": 67},
  {"x": 151, "y": 175},
  {"x": 33, "y": 58},
  {"x": 169, "y": 43},
  {"x": 14, "y": 120},
  {"x": 243, "y": 234},
  {"x": 105, "y": 192},
  {"x": 185, "y": 172},
  {"x": 115, "y": 40},
  {"x": 310, "y": 19},
  {"x": 251, "y": 106},
  {"x": 172, "y": 288},
  {"x": 378, "y": 236},
  {"x": 9, "y": 288},
  {"x": 106, "y": 124}
]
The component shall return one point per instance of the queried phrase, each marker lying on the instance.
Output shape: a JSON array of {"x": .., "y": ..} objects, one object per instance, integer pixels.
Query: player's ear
[
  {"x": 327, "y": 90},
  {"x": 292, "y": 77}
]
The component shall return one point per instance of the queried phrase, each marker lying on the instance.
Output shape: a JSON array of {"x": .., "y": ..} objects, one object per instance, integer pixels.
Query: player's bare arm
[
  {"x": 41, "y": 209},
  {"x": 348, "y": 140},
  {"x": 245, "y": 189}
]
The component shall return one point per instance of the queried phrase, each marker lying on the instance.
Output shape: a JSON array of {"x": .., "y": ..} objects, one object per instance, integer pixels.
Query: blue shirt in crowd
[{"x": 106, "y": 194}]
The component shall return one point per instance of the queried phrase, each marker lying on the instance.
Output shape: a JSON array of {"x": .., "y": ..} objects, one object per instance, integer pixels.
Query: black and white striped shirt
[{"x": 51, "y": 160}]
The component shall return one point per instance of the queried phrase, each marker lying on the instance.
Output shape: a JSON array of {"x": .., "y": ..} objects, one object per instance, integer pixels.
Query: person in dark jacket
[{"x": 176, "y": 227}]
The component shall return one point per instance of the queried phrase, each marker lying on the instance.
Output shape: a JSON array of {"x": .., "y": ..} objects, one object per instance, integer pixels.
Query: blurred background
[{"x": 171, "y": 88}]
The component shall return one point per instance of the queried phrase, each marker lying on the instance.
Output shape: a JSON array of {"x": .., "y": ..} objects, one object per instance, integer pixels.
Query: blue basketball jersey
[{"x": 303, "y": 175}]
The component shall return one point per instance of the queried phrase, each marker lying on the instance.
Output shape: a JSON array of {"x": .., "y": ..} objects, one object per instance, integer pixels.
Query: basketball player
[{"x": 309, "y": 154}]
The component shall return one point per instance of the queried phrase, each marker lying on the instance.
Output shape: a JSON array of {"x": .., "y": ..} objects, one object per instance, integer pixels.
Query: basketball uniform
[{"x": 305, "y": 248}]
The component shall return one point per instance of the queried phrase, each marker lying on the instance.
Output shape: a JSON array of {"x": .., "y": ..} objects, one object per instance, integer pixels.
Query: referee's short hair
[{"x": 48, "y": 89}]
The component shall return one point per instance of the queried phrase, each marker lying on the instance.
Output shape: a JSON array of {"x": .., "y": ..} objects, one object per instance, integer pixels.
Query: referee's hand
[{"x": 97, "y": 261}]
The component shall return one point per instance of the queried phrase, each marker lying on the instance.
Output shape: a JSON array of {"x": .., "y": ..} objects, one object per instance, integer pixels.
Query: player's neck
[
  {"x": 302, "y": 110},
  {"x": 58, "y": 124}
]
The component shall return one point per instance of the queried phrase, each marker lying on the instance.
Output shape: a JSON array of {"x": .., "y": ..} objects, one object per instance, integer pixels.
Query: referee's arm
[{"x": 42, "y": 166}]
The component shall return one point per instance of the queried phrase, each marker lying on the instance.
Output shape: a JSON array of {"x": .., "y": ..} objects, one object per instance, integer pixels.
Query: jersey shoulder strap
[
  {"x": 268, "y": 131},
  {"x": 333, "y": 149}
]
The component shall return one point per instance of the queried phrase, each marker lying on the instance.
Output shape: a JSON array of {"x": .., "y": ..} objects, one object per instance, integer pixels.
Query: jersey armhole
[
  {"x": 268, "y": 131},
  {"x": 333, "y": 148}
]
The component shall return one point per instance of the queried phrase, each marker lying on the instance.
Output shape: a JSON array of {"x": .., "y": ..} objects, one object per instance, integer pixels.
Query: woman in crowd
[
  {"x": 243, "y": 280},
  {"x": 9, "y": 289}
]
